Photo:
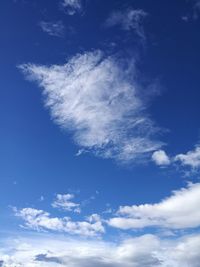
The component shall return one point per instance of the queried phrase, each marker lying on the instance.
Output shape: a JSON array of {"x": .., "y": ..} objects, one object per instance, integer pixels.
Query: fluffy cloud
[
  {"x": 146, "y": 250},
  {"x": 129, "y": 19},
  {"x": 65, "y": 202},
  {"x": 97, "y": 99},
  {"x": 191, "y": 158},
  {"x": 40, "y": 220},
  {"x": 160, "y": 158},
  {"x": 53, "y": 28},
  {"x": 180, "y": 211},
  {"x": 72, "y": 6}
]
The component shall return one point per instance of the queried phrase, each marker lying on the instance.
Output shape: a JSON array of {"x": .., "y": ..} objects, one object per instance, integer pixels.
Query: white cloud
[
  {"x": 129, "y": 19},
  {"x": 191, "y": 158},
  {"x": 53, "y": 28},
  {"x": 64, "y": 202},
  {"x": 160, "y": 158},
  {"x": 72, "y": 6},
  {"x": 97, "y": 99},
  {"x": 179, "y": 211},
  {"x": 145, "y": 251},
  {"x": 40, "y": 220}
]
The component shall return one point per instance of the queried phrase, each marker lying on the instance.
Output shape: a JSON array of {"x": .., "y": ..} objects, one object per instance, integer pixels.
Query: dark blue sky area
[{"x": 37, "y": 158}]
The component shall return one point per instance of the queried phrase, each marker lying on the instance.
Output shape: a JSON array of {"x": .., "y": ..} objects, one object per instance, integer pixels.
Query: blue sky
[{"x": 100, "y": 152}]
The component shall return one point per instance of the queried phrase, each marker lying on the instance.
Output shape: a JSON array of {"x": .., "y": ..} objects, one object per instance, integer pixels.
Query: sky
[{"x": 100, "y": 137}]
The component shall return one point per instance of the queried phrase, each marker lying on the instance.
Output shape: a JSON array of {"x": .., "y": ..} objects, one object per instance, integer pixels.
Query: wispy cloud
[
  {"x": 72, "y": 6},
  {"x": 53, "y": 28},
  {"x": 145, "y": 250},
  {"x": 180, "y": 211},
  {"x": 97, "y": 98},
  {"x": 40, "y": 220},
  {"x": 65, "y": 203},
  {"x": 193, "y": 13},
  {"x": 127, "y": 20},
  {"x": 196, "y": 9}
]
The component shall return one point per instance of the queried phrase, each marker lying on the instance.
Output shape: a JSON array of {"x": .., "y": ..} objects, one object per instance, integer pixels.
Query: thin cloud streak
[
  {"x": 53, "y": 28},
  {"x": 64, "y": 202}
]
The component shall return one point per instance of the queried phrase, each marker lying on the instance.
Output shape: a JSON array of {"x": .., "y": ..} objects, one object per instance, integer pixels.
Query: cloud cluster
[
  {"x": 53, "y": 28},
  {"x": 42, "y": 221},
  {"x": 190, "y": 159},
  {"x": 146, "y": 250},
  {"x": 179, "y": 211},
  {"x": 97, "y": 99},
  {"x": 72, "y": 6},
  {"x": 130, "y": 19},
  {"x": 65, "y": 203}
]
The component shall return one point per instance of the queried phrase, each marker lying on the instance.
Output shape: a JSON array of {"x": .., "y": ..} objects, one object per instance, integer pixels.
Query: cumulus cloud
[
  {"x": 191, "y": 158},
  {"x": 160, "y": 158},
  {"x": 97, "y": 99},
  {"x": 53, "y": 28},
  {"x": 65, "y": 202},
  {"x": 72, "y": 6},
  {"x": 42, "y": 221},
  {"x": 179, "y": 211},
  {"x": 130, "y": 19},
  {"x": 145, "y": 250}
]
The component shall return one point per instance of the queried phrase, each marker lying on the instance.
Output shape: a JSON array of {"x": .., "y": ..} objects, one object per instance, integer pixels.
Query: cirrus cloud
[
  {"x": 127, "y": 20},
  {"x": 98, "y": 99}
]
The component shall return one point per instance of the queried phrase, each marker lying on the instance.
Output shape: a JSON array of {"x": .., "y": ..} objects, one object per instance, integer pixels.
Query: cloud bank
[
  {"x": 97, "y": 99},
  {"x": 145, "y": 250}
]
